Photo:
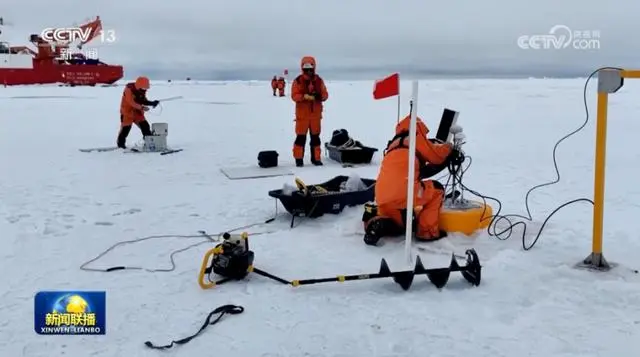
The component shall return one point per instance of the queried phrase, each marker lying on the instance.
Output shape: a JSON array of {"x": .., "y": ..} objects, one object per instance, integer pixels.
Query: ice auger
[
  {"x": 233, "y": 260},
  {"x": 438, "y": 276}
]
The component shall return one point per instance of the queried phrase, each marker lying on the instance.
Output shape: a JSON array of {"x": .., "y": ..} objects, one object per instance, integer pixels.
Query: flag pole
[
  {"x": 398, "y": 120},
  {"x": 411, "y": 174}
]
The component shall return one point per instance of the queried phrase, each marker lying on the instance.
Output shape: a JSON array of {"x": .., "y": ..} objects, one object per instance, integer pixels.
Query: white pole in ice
[
  {"x": 169, "y": 99},
  {"x": 412, "y": 172}
]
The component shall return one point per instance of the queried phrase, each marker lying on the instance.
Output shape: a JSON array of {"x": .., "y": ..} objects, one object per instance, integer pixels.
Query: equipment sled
[
  {"x": 345, "y": 150},
  {"x": 329, "y": 197}
]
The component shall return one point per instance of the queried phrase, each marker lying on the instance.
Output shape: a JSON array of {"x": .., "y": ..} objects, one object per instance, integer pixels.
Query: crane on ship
[
  {"x": 47, "y": 50},
  {"x": 56, "y": 62},
  {"x": 55, "y": 50}
]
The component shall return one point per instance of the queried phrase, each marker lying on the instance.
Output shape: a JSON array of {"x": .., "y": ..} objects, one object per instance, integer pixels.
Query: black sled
[
  {"x": 345, "y": 150},
  {"x": 328, "y": 197}
]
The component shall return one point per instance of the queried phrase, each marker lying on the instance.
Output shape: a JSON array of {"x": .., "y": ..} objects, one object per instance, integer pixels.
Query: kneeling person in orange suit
[
  {"x": 391, "y": 186},
  {"x": 309, "y": 92},
  {"x": 132, "y": 108}
]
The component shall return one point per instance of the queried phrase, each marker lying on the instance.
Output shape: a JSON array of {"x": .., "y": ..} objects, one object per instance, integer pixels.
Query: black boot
[
  {"x": 314, "y": 144},
  {"x": 379, "y": 227},
  {"x": 122, "y": 136},
  {"x": 299, "y": 163}
]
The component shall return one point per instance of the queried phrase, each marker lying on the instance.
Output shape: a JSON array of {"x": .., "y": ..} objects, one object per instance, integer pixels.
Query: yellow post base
[
  {"x": 467, "y": 220},
  {"x": 595, "y": 261}
]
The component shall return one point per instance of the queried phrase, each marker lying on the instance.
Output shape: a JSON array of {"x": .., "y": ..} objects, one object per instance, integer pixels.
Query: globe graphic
[{"x": 71, "y": 304}]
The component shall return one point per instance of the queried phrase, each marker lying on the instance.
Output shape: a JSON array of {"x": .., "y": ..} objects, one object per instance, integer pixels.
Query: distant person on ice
[
  {"x": 281, "y": 84},
  {"x": 309, "y": 92},
  {"x": 132, "y": 107},
  {"x": 274, "y": 85},
  {"x": 391, "y": 186}
]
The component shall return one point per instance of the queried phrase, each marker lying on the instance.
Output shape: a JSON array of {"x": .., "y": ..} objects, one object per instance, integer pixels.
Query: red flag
[{"x": 387, "y": 87}]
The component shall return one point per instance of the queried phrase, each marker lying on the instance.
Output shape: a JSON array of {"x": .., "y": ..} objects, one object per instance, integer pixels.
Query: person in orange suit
[
  {"x": 274, "y": 85},
  {"x": 132, "y": 107},
  {"x": 309, "y": 93},
  {"x": 281, "y": 84},
  {"x": 391, "y": 186}
]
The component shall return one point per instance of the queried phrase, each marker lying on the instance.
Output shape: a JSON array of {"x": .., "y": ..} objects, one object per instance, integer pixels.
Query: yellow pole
[
  {"x": 630, "y": 73},
  {"x": 598, "y": 183}
]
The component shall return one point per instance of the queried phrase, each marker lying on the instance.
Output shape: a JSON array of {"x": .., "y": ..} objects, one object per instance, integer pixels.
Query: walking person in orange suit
[
  {"x": 281, "y": 85},
  {"x": 309, "y": 93},
  {"x": 274, "y": 85}
]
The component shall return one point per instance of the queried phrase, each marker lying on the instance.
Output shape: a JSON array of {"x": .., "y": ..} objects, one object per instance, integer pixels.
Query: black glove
[
  {"x": 155, "y": 103},
  {"x": 456, "y": 157},
  {"x": 430, "y": 170},
  {"x": 318, "y": 96}
]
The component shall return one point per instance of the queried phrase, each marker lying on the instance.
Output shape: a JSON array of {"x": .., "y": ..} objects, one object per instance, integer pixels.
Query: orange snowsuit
[
  {"x": 391, "y": 184},
  {"x": 281, "y": 84},
  {"x": 132, "y": 108},
  {"x": 274, "y": 85},
  {"x": 309, "y": 92},
  {"x": 133, "y": 100}
]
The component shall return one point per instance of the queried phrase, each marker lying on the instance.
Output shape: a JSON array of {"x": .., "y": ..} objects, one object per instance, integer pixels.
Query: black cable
[
  {"x": 221, "y": 311},
  {"x": 457, "y": 174}
]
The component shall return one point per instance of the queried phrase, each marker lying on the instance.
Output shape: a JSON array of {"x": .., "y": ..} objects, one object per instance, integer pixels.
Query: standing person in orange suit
[
  {"x": 391, "y": 186},
  {"x": 132, "y": 107},
  {"x": 281, "y": 84},
  {"x": 309, "y": 92},
  {"x": 274, "y": 85}
]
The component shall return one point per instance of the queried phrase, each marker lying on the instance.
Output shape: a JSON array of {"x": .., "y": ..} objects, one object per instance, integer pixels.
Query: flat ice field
[{"x": 60, "y": 207}]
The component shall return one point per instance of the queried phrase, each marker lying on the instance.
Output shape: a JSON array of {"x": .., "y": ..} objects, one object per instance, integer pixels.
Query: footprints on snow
[
  {"x": 121, "y": 213},
  {"x": 127, "y": 212},
  {"x": 57, "y": 223},
  {"x": 103, "y": 223},
  {"x": 17, "y": 218},
  {"x": 60, "y": 223}
]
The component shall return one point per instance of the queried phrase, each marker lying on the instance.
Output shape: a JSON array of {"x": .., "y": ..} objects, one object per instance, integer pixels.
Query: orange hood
[
  {"x": 403, "y": 126},
  {"x": 308, "y": 60}
]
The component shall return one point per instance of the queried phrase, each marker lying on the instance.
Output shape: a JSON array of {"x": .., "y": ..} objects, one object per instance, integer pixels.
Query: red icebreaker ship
[{"x": 51, "y": 63}]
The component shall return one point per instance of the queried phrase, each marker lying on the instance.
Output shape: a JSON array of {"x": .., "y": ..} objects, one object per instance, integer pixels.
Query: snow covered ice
[{"x": 60, "y": 207}]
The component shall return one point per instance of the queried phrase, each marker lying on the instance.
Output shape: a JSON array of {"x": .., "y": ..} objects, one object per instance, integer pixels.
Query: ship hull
[{"x": 75, "y": 75}]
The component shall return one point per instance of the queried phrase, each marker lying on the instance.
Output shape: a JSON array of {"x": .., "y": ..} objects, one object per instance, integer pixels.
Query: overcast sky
[{"x": 254, "y": 39}]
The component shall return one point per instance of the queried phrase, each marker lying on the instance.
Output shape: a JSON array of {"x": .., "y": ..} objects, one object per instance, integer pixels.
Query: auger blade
[
  {"x": 384, "y": 269},
  {"x": 404, "y": 279},
  {"x": 472, "y": 271},
  {"x": 439, "y": 277},
  {"x": 419, "y": 269},
  {"x": 454, "y": 266}
]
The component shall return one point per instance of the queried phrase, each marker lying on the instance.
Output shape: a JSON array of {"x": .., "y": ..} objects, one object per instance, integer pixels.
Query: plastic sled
[
  {"x": 357, "y": 154},
  {"x": 316, "y": 200}
]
